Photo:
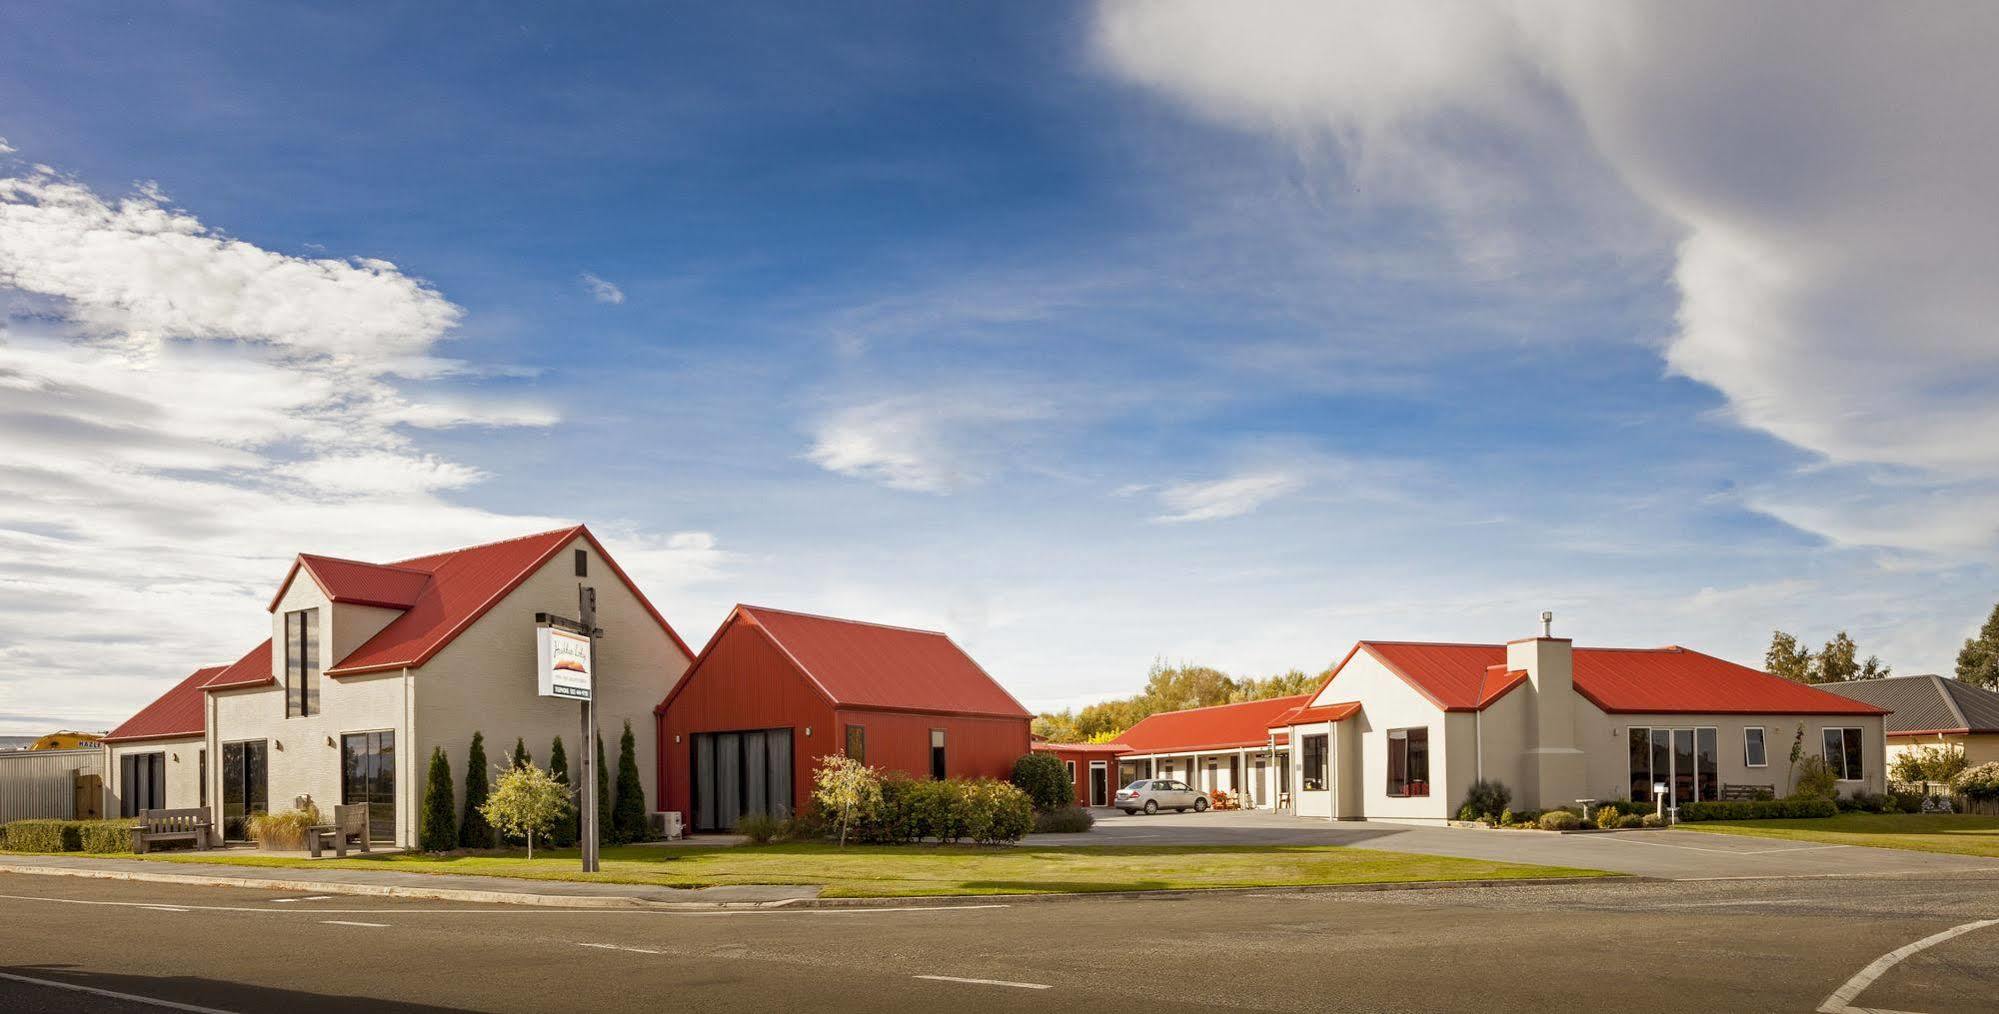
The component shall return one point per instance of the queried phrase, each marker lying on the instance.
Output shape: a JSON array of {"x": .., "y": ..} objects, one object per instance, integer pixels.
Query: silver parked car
[{"x": 1155, "y": 794}]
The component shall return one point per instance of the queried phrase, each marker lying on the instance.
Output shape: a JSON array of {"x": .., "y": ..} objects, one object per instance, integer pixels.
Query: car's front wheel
[
  {"x": 1151, "y": 807},
  {"x": 1200, "y": 805}
]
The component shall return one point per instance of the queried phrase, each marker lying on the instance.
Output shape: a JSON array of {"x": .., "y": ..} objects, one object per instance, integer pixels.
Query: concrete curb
[{"x": 626, "y": 903}]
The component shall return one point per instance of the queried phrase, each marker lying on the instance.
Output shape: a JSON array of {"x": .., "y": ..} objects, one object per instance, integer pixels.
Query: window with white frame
[
  {"x": 1314, "y": 761},
  {"x": 1754, "y": 753},
  {"x": 1409, "y": 762},
  {"x": 1843, "y": 754}
]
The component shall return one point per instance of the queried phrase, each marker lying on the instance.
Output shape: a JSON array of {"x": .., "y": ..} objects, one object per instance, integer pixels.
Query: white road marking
[
  {"x": 343, "y": 922},
  {"x": 1930, "y": 871},
  {"x": 987, "y": 982},
  {"x": 315, "y": 897},
  {"x": 504, "y": 909},
  {"x": 620, "y": 947},
  {"x": 1732, "y": 904},
  {"x": 130, "y": 997},
  {"x": 1841, "y": 1000}
]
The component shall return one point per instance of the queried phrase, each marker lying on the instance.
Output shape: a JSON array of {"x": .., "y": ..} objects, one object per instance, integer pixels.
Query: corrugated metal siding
[
  {"x": 744, "y": 682},
  {"x": 973, "y": 747},
  {"x": 866, "y": 665},
  {"x": 1223, "y": 726},
  {"x": 42, "y": 783}
]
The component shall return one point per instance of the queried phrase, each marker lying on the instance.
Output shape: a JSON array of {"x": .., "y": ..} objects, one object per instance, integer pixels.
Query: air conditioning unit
[{"x": 666, "y": 824}]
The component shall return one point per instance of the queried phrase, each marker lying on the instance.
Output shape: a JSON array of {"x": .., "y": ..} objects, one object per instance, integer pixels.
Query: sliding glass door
[
  {"x": 243, "y": 788},
  {"x": 1685, "y": 760},
  {"x": 740, "y": 773},
  {"x": 368, "y": 775}
]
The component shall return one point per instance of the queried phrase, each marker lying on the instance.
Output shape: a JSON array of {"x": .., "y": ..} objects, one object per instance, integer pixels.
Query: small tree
[
  {"x": 521, "y": 758},
  {"x": 473, "y": 831},
  {"x": 603, "y": 791},
  {"x": 1787, "y": 658},
  {"x": 1816, "y": 779},
  {"x": 1045, "y": 780},
  {"x": 1978, "y": 663},
  {"x": 628, "y": 812},
  {"x": 1797, "y": 753},
  {"x": 566, "y": 833},
  {"x": 846, "y": 791},
  {"x": 526, "y": 802},
  {"x": 440, "y": 819}
]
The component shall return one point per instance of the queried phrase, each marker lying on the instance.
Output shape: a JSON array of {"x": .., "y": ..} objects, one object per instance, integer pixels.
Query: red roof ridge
[
  {"x": 488, "y": 545},
  {"x": 1234, "y": 704},
  {"x": 841, "y": 619},
  {"x": 363, "y": 563}
]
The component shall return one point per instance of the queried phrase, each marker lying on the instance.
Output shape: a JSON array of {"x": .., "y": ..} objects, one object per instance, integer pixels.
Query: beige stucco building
[{"x": 371, "y": 667}]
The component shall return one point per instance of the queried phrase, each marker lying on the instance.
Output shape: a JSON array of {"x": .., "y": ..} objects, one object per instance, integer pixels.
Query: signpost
[{"x": 566, "y": 653}]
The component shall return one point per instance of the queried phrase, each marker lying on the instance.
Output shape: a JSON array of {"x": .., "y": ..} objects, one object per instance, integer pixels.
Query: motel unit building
[{"x": 369, "y": 667}]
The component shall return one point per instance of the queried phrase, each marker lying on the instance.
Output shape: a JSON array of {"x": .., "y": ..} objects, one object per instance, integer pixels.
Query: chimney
[{"x": 1555, "y": 763}]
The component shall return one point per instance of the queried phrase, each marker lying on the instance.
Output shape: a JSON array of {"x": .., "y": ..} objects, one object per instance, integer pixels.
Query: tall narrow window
[
  {"x": 142, "y": 783},
  {"x": 1641, "y": 764},
  {"x": 1409, "y": 762},
  {"x": 937, "y": 766},
  {"x": 857, "y": 743},
  {"x": 582, "y": 563},
  {"x": 1842, "y": 754},
  {"x": 1707, "y": 761},
  {"x": 1754, "y": 753},
  {"x": 203, "y": 754},
  {"x": 1314, "y": 761},
  {"x": 301, "y": 663}
]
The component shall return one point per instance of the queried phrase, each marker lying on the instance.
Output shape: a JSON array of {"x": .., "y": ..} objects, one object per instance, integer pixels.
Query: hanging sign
[{"x": 563, "y": 662}]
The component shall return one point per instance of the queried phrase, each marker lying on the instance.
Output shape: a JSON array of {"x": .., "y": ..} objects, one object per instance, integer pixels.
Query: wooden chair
[
  {"x": 349, "y": 821},
  {"x": 171, "y": 825}
]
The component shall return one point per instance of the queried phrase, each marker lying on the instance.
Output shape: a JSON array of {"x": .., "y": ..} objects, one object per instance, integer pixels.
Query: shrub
[
  {"x": 1631, "y": 820},
  {"x": 1527, "y": 816},
  {"x": 569, "y": 830},
  {"x": 521, "y": 758},
  {"x": 1908, "y": 802},
  {"x": 1045, "y": 780},
  {"x": 1068, "y": 820},
  {"x": 938, "y": 810},
  {"x": 1980, "y": 783},
  {"x": 1761, "y": 809},
  {"x": 440, "y": 824},
  {"x": 1815, "y": 780},
  {"x": 1866, "y": 802},
  {"x": 1560, "y": 820},
  {"x": 807, "y": 826},
  {"x": 1651, "y": 820},
  {"x": 997, "y": 813},
  {"x": 603, "y": 796},
  {"x": 848, "y": 792},
  {"x": 1467, "y": 814},
  {"x": 473, "y": 831},
  {"x": 1506, "y": 817},
  {"x": 1486, "y": 799},
  {"x": 526, "y": 802},
  {"x": 50, "y": 835},
  {"x": 284, "y": 829},
  {"x": 1929, "y": 764},
  {"x": 628, "y": 811},
  {"x": 760, "y": 828}
]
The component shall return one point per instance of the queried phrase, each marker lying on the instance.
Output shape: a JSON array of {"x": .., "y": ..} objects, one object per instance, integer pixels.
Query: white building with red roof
[{"x": 370, "y": 667}]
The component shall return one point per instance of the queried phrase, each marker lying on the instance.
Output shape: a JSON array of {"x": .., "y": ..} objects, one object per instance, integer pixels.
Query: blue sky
[{"x": 1091, "y": 336}]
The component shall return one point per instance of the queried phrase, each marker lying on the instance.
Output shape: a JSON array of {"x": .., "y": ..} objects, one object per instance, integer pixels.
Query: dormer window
[{"x": 301, "y": 663}]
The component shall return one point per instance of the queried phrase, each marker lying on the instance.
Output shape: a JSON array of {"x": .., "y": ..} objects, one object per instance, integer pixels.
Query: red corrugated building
[
  {"x": 1092, "y": 768},
  {"x": 774, "y": 691}
]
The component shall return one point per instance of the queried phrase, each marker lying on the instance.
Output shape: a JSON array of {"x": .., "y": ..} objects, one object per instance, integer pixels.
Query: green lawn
[
  {"x": 904, "y": 871},
  {"x": 1961, "y": 833}
]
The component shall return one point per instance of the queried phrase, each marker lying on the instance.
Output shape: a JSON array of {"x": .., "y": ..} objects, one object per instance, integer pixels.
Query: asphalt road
[{"x": 1715, "y": 945}]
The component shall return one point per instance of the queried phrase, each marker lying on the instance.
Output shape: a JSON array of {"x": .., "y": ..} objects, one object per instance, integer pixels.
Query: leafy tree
[
  {"x": 521, "y": 758},
  {"x": 526, "y": 802},
  {"x": 628, "y": 812},
  {"x": 1978, "y": 663},
  {"x": 846, "y": 791},
  {"x": 1045, "y": 780},
  {"x": 473, "y": 831},
  {"x": 567, "y": 832},
  {"x": 1787, "y": 658},
  {"x": 1286, "y": 684},
  {"x": 603, "y": 793},
  {"x": 1169, "y": 688},
  {"x": 440, "y": 822}
]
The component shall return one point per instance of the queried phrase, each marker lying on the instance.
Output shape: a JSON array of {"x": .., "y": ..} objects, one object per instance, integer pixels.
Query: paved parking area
[{"x": 1673, "y": 855}]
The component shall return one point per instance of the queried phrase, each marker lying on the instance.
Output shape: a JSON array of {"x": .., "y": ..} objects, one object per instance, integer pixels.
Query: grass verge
[
  {"x": 911, "y": 871},
  {"x": 1959, "y": 833}
]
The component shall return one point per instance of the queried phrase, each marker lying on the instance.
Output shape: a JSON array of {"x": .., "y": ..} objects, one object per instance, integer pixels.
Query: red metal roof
[
  {"x": 1313, "y": 716},
  {"x": 178, "y": 712},
  {"x": 1103, "y": 748},
  {"x": 366, "y": 584},
  {"x": 1669, "y": 680},
  {"x": 1220, "y": 727},
  {"x": 460, "y": 587},
  {"x": 870, "y": 665},
  {"x": 251, "y": 670}
]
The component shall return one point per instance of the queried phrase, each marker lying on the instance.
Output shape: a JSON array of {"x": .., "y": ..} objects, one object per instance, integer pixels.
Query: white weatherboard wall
[
  {"x": 485, "y": 680},
  {"x": 1606, "y": 745},
  {"x": 1387, "y": 702},
  {"x": 182, "y": 757}
]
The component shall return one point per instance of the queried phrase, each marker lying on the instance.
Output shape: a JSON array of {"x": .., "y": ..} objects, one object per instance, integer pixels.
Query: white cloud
[
  {"x": 601, "y": 290},
  {"x": 5, "y": 148},
  {"x": 1834, "y": 226},
  {"x": 1226, "y": 498},
  {"x": 931, "y": 444},
  {"x": 181, "y": 411}
]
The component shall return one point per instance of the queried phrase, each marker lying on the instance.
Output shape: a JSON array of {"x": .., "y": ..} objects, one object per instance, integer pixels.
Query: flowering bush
[{"x": 1981, "y": 782}]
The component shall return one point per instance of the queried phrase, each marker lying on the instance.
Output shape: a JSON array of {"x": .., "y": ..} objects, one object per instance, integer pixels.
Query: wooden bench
[
  {"x": 1747, "y": 793},
  {"x": 170, "y": 825},
  {"x": 349, "y": 821}
]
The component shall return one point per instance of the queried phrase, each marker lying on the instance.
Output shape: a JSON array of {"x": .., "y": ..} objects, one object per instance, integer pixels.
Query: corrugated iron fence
[{"x": 42, "y": 783}]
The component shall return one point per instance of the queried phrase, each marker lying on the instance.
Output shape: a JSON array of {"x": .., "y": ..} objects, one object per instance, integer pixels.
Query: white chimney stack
[{"x": 1555, "y": 763}]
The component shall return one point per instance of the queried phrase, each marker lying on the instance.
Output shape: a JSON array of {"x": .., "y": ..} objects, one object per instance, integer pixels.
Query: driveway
[{"x": 1672, "y": 855}]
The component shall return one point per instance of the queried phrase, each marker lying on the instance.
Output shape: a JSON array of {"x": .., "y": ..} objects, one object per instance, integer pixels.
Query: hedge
[
  {"x": 1760, "y": 809},
  {"x": 67, "y": 836},
  {"x": 981, "y": 810}
]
